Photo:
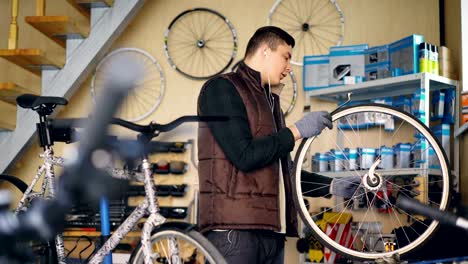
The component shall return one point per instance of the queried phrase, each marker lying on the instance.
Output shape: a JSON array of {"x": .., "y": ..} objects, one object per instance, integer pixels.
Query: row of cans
[{"x": 401, "y": 155}]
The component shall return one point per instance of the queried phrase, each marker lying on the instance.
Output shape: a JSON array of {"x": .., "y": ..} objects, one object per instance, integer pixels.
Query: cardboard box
[
  {"x": 346, "y": 61},
  {"x": 442, "y": 132},
  {"x": 404, "y": 55},
  {"x": 377, "y": 71},
  {"x": 378, "y": 54},
  {"x": 315, "y": 72}
]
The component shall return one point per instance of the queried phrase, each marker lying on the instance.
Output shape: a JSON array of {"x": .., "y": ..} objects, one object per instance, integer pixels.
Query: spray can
[
  {"x": 430, "y": 63},
  {"x": 423, "y": 57},
  {"x": 435, "y": 60}
]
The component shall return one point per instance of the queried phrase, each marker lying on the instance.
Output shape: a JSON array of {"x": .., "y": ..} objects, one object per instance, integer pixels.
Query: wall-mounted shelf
[
  {"x": 390, "y": 172},
  {"x": 394, "y": 86},
  {"x": 400, "y": 85}
]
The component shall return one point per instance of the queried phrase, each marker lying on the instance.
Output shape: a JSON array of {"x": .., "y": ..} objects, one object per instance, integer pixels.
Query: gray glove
[
  {"x": 345, "y": 187},
  {"x": 313, "y": 123}
]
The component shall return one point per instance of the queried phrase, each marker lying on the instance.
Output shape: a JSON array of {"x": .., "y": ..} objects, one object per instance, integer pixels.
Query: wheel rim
[
  {"x": 315, "y": 25},
  {"x": 143, "y": 100},
  {"x": 364, "y": 253},
  {"x": 200, "y": 43}
]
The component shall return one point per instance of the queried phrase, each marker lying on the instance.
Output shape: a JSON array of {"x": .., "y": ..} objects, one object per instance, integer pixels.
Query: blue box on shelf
[
  {"x": 346, "y": 61},
  {"x": 404, "y": 57},
  {"x": 377, "y": 54},
  {"x": 377, "y": 71},
  {"x": 315, "y": 72}
]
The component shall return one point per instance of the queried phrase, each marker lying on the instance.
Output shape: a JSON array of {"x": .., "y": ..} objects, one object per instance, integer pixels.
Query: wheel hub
[
  {"x": 372, "y": 180},
  {"x": 200, "y": 43}
]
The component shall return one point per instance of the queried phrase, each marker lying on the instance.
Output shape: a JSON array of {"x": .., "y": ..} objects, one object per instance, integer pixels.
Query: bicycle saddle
[{"x": 31, "y": 101}]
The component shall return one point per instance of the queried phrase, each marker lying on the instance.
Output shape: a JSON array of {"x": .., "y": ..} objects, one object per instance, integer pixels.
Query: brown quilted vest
[{"x": 233, "y": 199}]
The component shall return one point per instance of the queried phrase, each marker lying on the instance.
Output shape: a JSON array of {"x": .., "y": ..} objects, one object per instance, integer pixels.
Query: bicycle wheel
[
  {"x": 360, "y": 219},
  {"x": 43, "y": 252},
  {"x": 192, "y": 246},
  {"x": 287, "y": 91},
  {"x": 200, "y": 43},
  {"x": 146, "y": 96},
  {"x": 19, "y": 184},
  {"x": 315, "y": 25}
]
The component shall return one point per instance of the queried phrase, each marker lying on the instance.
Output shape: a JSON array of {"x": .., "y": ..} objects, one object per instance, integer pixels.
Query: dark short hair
[{"x": 272, "y": 36}]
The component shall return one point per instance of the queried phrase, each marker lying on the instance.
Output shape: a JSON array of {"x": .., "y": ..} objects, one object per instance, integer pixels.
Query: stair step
[
  {"x": 9, "y": 91},
  {"x": 58, "y": 28},
  {"x": 8, "y": 119},
  {"x": 33, "y": 60},
  {"x": 84, "y": 6}
]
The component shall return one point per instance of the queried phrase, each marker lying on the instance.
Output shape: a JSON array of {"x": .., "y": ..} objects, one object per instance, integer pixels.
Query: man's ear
[{"x": 265, "y": 50}]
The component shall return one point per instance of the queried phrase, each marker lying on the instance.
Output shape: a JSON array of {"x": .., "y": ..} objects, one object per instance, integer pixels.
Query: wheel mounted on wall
[
  {"x": 316, "y": 25},
  {"x": 200, "y": 43},
  {"x": 146, "y": 96}
]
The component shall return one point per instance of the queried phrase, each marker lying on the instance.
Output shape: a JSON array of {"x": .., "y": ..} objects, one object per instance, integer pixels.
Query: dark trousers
[{"x": 249, "y": 246}]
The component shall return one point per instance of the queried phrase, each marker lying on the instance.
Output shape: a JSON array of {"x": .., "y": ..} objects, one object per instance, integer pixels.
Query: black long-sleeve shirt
[{"x": 235, "y": 137}]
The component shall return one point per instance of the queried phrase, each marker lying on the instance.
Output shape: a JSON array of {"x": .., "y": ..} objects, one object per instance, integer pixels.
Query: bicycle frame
[
  {"x": 149, "y": 205},
  {"x": 48, "y": 184}
]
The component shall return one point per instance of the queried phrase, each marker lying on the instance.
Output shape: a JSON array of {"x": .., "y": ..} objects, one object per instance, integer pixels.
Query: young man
[{"x": 246, "y": 205}]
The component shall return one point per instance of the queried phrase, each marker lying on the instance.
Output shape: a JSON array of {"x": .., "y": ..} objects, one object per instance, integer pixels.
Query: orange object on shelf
[
  {"x": 464, "y": 118},
  {"x": 464, "y": 100}
]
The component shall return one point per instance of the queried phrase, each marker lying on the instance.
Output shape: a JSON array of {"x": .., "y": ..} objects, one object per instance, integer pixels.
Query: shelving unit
[
  {"x": 169, "y": 151},
  {"x": 393, "y": 172},
  {"x": 395, "y": 86}
]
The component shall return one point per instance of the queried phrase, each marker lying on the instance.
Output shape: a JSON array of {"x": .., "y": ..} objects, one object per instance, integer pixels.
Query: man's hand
[
  {"x": 345, "y": 187},
  {"x": 311, "y": 124}
]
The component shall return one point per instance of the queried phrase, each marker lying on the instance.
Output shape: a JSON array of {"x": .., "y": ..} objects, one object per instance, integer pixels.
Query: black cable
[
  {"x": 76, "y": 245},
  {"x": 84, "y": 249},
  {"x": 73, "y": 248}
]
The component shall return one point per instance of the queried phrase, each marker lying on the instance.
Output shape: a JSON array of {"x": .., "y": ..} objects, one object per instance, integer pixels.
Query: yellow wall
[{"x": 366, "y": 21}]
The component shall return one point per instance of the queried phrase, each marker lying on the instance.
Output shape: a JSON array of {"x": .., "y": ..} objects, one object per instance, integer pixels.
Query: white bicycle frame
[{"x": 148, "y": 206}]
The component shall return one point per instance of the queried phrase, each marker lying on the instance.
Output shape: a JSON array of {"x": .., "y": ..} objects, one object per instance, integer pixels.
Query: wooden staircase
[
  {"x": 61, "y": 75},
  {"x": 33, "y": 60},
  {"x": 84, "y": 6},
  {"x": 60, "y": 28}
]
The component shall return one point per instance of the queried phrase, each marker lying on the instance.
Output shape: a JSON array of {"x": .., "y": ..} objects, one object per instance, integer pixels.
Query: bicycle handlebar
[
  {"x": 416, "y": 207},
  {"x": 150, "y": 128}
]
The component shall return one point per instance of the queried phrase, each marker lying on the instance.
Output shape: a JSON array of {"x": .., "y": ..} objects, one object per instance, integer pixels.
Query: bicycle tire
[
  {"x": 196, "y": 45},
  {"x": 193, "y": 237},
  {"x": 315, "y": 25},
  {"x": 45, "y": 251},
  {"x": 403, "y": 248},
  {"x": 15, "y": 181}
]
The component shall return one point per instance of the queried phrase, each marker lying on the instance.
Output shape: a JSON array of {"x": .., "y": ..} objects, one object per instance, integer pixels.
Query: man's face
[{"x": 279, "y": 63}]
